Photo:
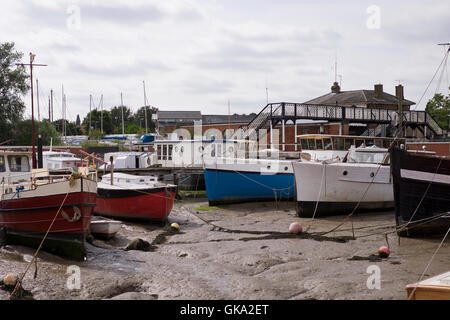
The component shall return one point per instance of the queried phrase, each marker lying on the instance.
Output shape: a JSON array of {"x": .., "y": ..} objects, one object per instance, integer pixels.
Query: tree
[
  {"x": 71, "y": 127},
  {"x": 22, "y": 137},
  {"x": 139, "y": 118},
  {"x": 13, "y": 85},
  {"x": 78, "y": 121},
  {"x": 116, "y": 117},
  {"x": 439, "y": 108},
  {"x": 96, "y": 116}
]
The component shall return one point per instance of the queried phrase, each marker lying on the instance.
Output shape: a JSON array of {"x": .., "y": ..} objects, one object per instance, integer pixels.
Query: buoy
[
  {"x": 295, "y": 228},
  {"x": 10, "y": 280},
  {"x": 384, "y": 252},
  {"x": 175, "y": 226}
]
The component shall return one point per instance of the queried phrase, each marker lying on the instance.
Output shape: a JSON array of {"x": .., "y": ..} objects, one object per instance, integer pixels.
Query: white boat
[
  {"x": 104, "y": 228},
  {"x": 59, "y": 160},
  {"x": 331, "y": 187},
  {"x": 129, "y": 160}
]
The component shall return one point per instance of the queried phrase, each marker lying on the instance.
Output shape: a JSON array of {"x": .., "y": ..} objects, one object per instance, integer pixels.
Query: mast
[
  {"x": 37, "y": 93},
  {"x": 90, "y": 113},
  {"x": 145, "y": 107},
  {"x": 121, "y": 103},
  {"x": 101, "y": 114},
  {"x": 51, "y": 104}
]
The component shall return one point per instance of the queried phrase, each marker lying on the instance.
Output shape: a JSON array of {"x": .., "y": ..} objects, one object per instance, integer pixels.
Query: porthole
[
  {"x": 176, "y": 149},
  {"x": 345, "y": 173},
  {"x": 285, "y": 168},
  {"x": 372, "y": 174},
  {"x": 182, "y": 149},
  {"x": 268, "y": 167}
]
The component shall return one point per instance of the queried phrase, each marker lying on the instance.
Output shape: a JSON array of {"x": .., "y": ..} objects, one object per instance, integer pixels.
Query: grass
[
  {"x": 192, "y": 194},
  {"x": 207, "y": 208}
]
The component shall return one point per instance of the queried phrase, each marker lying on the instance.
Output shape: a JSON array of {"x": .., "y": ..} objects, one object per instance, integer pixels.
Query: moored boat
[
  {"x": 434, "y": 288},
  {"x": 104, "y": 228},
  {"x": 421, "y": 192},
  {"x": 362, "y": 180},
  {"x": 34, "y": 203},
  {"x": 129, "y": 196},
  {"x": 235, "y": 180}
]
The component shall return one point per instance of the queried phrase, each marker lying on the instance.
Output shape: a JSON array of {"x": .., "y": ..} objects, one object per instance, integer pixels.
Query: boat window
[
  {"x": 338, "y": 144},
  {"x": 368, "y": 157},
  {"x": 349, "y": 143},
  {"x": 18, "y": 164},
  {"x": 358, "y": 143},
  {"x": 213, "y": 150},
  {"x": 159, "y": 151},
  {"x": 304, "y": 144},
  {"x": 219, "y": 150},
  {"x": 327, "y": 143},
  {"x": 170, "y": 151},
  {"x": 386, "y": 143},
  {"x": 312, "y": 144},
  {"x": 369, "y": 142},
  {"x": 165, "y": 152},
  {"x": 379, "y": 143},
  {"x": 2, "y": 164},
  {"x": 319, "y": 144}
]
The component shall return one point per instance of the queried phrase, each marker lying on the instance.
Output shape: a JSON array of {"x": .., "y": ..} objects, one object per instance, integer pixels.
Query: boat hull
[
  {"x": 27, "y": 219},
  {"x": 231, "y": 184},
  {"x": 342, "y": 188},
  {"x": 418, "y": 201},
  {"x": 142, "y": 204},
  {"x": 104, "y": 229}
]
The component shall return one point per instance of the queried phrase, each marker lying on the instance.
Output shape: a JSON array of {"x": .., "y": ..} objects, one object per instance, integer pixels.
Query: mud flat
[{"x": 236, "y": 252}]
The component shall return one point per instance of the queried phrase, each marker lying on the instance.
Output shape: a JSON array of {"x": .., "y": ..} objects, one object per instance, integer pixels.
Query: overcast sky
[{"x": 198, "y": 54}]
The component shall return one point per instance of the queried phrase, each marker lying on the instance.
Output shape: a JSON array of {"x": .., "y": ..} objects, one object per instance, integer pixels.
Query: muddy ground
[{"x": 236, "y": 252}]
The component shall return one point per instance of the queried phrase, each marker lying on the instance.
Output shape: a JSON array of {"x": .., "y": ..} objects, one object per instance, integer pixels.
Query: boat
[
  {"x": 128, "y": 160},
  {"x": 237, "y": 180},
  {"x": 435, "y": 288},
  {"x": 127, "y": 196},
  {"x": 59, "y": 160},
  {"x": 104, "y": 228},
  {"x": 31, "y": 200},
  {"x": 421, "y": 192},
  {"x": 362, "y": 180}
]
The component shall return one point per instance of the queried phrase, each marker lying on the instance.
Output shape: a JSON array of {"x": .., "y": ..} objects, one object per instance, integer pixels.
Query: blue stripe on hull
[{"x": 235, "y": 187}]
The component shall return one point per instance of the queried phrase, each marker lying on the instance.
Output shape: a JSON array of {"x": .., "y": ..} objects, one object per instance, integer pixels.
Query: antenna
[
  {"x": 335, "y": 65},
  {"x": 267, "y": 93},
  {"x": 228, "y": 114}
]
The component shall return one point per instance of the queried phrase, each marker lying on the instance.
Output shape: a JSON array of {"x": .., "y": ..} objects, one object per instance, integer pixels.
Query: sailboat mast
[
  {"x": 121, "y": 103},
  {"x": 145, "y": 108}
]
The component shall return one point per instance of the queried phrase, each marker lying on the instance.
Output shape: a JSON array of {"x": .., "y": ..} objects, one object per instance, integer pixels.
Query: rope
[{"x": 39, "y": 248}]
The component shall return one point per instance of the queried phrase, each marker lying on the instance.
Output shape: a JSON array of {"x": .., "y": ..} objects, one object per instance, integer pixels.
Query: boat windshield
[
  {"x": 367, "y": 157},
  {"x": 18, "y": 164}
]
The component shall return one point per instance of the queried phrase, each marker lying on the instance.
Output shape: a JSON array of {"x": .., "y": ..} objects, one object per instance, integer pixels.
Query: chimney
[
  {"x": 378, "y": 91},
  {"x": 335, "y": 88}
]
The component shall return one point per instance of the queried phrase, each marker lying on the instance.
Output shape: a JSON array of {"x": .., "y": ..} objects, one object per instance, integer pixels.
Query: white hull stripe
[{"x": 425, "y": 176}]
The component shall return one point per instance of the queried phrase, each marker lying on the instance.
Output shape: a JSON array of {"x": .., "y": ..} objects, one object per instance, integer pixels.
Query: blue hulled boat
[{"x": 235, "y": 180}]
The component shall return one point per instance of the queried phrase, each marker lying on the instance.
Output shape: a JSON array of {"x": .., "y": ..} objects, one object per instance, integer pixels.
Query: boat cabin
[
  {"x": 59, "y": 160},
  {"x": 123, "y": 178},
  {"x": 371, "y": 154},
  {"x": 323, "y": 147},
  {"x": 14, "y": 166}
]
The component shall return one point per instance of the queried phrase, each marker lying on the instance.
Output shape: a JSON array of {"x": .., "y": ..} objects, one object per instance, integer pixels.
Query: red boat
[
  {"x": 134, "y": 197},
  {"x": 30, "y": 200}
]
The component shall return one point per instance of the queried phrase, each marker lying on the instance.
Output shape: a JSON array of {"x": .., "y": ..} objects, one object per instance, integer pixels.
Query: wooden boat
[
  {"x": 129, "y": 196},
  {"x": 421, "y": 192},
  {"x": 435, "y": 288},
  {"x": 336, "y": 187},
  {"x": 104, "y": 228},
  {"x": 31, "y": 199}
]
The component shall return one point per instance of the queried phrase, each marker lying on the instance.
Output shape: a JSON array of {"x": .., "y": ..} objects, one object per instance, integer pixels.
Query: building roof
[
  {"x": 355, "y": 97},
  {"x": 179, "y": 115},
  {"x": 223, "y": 118}
]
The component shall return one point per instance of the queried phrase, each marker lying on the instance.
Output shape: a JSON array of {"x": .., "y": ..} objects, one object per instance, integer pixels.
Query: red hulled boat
[
  {"x": 30, "y": 200},
  {"x": 134, "y": 197}
]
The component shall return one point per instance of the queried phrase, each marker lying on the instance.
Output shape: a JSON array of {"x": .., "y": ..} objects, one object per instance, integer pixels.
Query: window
[
  {"x": 159, "y": 152},
  {"x": 170, "y": 151},
  {"x": 369, "y": 142},
  {"x": 359, "y": 142},
  {"x": 18, "y": 164},
  {"x": 338, "y": 144},
  {"x": 379, "y": 143},
  {"x": 348, "y": 143},
  {"x": 327, "y": 143},
  {"x": 2, "y": 164},
  {"x": 312, "y": 144},
  {"x": 165, "y": 152},
  {"x": 304, "y": 144},
  {"x": 319, "y": 144}
]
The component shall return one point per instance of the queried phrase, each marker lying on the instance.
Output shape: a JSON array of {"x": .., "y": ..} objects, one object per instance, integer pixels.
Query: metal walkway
[{"x": 275, "y": 113}]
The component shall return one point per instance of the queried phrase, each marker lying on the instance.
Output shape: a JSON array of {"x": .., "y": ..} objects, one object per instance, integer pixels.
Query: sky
[{"x": 202, "y": 54}]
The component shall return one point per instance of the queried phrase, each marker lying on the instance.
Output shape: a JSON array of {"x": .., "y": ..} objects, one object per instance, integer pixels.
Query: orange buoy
[
  {"x": 384, "y": 252},
  {"x": 295, "y": 228}
]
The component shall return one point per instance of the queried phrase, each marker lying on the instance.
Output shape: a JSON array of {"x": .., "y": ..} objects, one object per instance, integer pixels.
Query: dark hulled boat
[{"x": 421, "y": 192}]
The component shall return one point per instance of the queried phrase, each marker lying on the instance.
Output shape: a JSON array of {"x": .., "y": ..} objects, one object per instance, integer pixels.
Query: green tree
[
  {"x": 116, "y": 117},
  {"x": 96, "y": 116},
  {"x": 13, "y": 85},
  {"x": 139, "y": 118},
  {"x": 439, "y": 108},
  {"x": 22, "y": 137},
  {"x": 71, "y": 127}
]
